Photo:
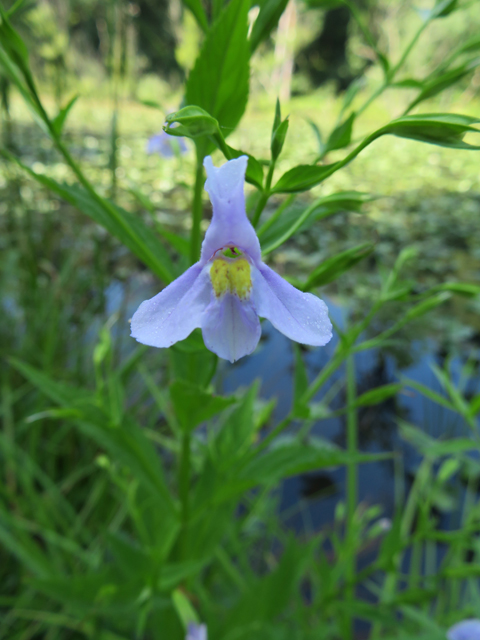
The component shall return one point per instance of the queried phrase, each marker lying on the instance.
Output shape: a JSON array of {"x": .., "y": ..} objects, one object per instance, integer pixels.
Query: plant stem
[
  {"x": 266, "y": 225},
  {"x": 352, "y": 490},
  {"x": 183, "y": 489},
  {"x": 196, "y": 212},
  {"x": 393, "y": 71},
  {"x": 265, "y": 195}
]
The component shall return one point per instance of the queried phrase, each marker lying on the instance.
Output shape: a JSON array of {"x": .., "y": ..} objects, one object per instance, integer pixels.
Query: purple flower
[
  {"x": 166, "y": 145},
  {"x": 196, "y": 632},
  {"x": 465, "y": 630},
  {"x": 227, "y": 290}
]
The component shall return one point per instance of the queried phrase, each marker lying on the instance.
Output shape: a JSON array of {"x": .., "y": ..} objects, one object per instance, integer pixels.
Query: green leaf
[
  {"x": 474, "y": 408},
  {"x": 443, "y": 8},
  {"x": 303, "y": 177},
  {"x": 12, "y": 42},
  {"x": 465, "y": 289},
  {"x": 296, "y": 219},
  {"x": 278, "y": 117},
  {"x": 436, "y": 84},
  {"x": 129, "y": 229},
  {"x": 300, "y": 385},
  {"x": 447, "y": 469},
  {"x": 471, "y": 45},
  {"x": 432, "y": 447},
  {"x": 129, "y": 556},
  {"x": 429, "y": 393},
  {"x": 341, "y": 136},
  {"x": 324, "y": 4},
  {"x": 198, "y": 12},
  {"x": 462, "y": 571},
  {"x": 268, "y": 597},
  {"x": 318, "y": 136},
  {"x": 184, "y": 609},
  {"x": 172, "y": 574},
  {"x": 59, "y": 392},
  {"x": 424, "y": 307},
  {"x": 28, "y": 552},
  {"x": 295, "y": 458},
  {"x": 443, "y": 129},
  {"x": 16, "y": 6},
  {"x": 278, "y": 139},
  {"x": 125, "y": 442},
  {"x": 179, "y": 243},
  {"x": 330, "y": 269},
  {"x": 378, "y": 395},
  {"x": 219, "y": 81},
  {"x": 193, "y": 405},
  {"x": 408, "y": 83},
  {"x": 267, "y": 19},
  {"x": 237, "y": 430},
  {"x": 59, "y": 120}
]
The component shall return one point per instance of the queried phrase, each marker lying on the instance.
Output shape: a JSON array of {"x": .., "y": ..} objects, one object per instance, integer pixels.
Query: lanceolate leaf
[
  {"x": 219, "y": 80},
  {"x": 303, "y": 177},
  {"x": 443, "y": 129},
  {"x": 198, "y": 11},
  {"x": 129, "y": 229},
  {"x": 434, "y": 85},
  {"x": 267, "y": 19},
  {"x": 341, "y": 135},
  {"x": 298, "y": 218},
  {"x": 59, "y": 121},
  {"x": 333, "y": 267},
  {"x": 194, "y": 405}
]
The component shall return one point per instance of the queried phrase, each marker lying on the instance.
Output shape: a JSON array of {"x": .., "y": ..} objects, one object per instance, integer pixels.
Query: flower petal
[
  {"x": 230, "y": 327},
  {"x": 196, "y": 632},
  {"x": 175, "y": 312},
  {"x": 229, "y": 225},
  {"x": 300, "y": 316},
  {"x": 465, "y": 630}
]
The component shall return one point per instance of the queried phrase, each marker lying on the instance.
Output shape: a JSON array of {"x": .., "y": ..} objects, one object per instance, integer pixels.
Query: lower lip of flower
[{"x": 231, "y": 276}]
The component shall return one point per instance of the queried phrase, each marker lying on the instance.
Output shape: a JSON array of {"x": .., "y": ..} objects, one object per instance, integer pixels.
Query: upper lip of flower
[{"x": 229, "y": 316}]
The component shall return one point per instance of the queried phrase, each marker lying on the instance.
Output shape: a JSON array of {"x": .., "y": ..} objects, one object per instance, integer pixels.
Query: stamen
[{"x": 231, "y": 277}]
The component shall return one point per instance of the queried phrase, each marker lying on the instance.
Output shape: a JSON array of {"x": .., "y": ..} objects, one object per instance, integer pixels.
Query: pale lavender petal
[
  {"x": 175, "y": 312},
  {"x": 166, "y": 145},
  {"x": 300, "y": 316},
  {"x": 196, "y": 632},
  {"x": 465, "y": 630},
  {"x": 229, "y": 225},
  {"x": 230, "y": 327}
]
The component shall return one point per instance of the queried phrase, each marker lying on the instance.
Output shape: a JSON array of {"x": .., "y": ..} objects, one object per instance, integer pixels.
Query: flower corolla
[
  {"x": 196, "y": 632},
  {"x": 166, "y": 145},
  {"x": 230, "y": 288},
  {"x": 465, "y": 630}
]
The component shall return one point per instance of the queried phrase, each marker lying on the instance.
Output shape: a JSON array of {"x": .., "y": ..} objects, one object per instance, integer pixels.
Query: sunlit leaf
[{"x": 222, "y": 89}]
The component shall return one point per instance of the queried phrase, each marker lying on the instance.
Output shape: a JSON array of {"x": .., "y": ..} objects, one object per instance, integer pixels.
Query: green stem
[
  {"x": 363, "y": 27},
  {"x": 265, "y": 195},
  {"x": 352, "y": 491},
  {"x": 266, "y": 225},
  {"x": 197, "y": 211},
  {"x": 393, "y": 71},
  {"x": 184, "y": 489}
]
